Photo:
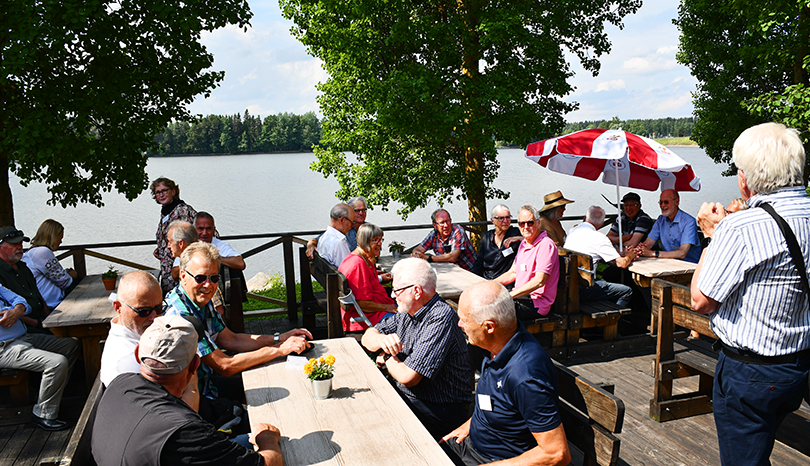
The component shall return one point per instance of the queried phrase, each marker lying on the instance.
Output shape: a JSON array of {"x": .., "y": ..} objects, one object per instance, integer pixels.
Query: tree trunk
[{"x": 6, "y": 205}]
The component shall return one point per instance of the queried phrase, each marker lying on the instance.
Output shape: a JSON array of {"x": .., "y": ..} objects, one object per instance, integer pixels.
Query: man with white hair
[
  {"x": 585, "y": 239},
  {"x": 141, "y": 418},
  {"x": 333, "y": 246},
  {"x": 424, "y": 350},
  {"x": 515, "y": 417},
  {"x": 752, "y": 287},
  {"x": 360, "y": 207}
]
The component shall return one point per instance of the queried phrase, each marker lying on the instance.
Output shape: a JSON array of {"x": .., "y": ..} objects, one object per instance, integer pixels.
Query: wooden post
[
  {"x": 307, "y": 295},
  {"x": 664, "y": 353},
  {"x": 79, "y": 264},
  {"x": 334, "y": 324},
  {"x": 289, "y": 278}
]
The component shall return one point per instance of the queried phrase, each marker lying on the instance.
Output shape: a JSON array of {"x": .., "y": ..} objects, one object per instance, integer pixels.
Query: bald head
[
  {"x": 137, "y": 290},
  {"x": 489, "y": 300}
]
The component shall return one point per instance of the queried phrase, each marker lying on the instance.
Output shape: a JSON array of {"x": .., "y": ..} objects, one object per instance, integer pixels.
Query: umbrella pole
[{"x": 619, "y": 204}]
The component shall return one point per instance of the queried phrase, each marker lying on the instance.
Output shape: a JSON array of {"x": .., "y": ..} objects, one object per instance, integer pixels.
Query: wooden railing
[{"x": 79, "y": 253}]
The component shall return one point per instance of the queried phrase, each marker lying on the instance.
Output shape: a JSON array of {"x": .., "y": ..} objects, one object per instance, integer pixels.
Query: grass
[
  {"x": 276, "y": 290},
  {"x": 676, "y": 142}
]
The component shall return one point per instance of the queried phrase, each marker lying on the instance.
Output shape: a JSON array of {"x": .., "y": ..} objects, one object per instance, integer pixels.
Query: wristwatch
[
  {"x": 276, "y": 338},
  {"x": 429, "y": 258},
  {"x": 656, "y": 253}
]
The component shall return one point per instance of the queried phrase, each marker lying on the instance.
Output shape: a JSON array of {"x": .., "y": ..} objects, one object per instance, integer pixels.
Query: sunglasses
[
  {"x": 503, "y": 219},
  {"x": 666, "y": 201},
  {"x": 360, "y": 211},
  {"x": 143, "y": 312},
  {"x": 529, "y": 223},
  {"x": 13, "y": 234},
  {"x": 201, "y": 278}
]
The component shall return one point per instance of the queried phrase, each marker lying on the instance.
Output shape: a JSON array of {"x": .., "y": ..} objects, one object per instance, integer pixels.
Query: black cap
[
  {"x": 10, "y": 234},
  {"x": 631, "y": 197}
]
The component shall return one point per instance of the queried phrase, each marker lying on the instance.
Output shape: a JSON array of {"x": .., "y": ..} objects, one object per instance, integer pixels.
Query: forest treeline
[
  {"x": 241, "y": 134},
  {"x": 655, "y": 128},
  {"x": 287, "y": 132}
]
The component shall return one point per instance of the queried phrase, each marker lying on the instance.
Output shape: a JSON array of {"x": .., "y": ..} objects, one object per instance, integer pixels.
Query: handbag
[{"x": 798, "y": 261}]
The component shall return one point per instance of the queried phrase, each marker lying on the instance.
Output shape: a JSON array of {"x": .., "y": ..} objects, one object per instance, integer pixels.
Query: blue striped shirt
[{"x": 748, "y": 270}]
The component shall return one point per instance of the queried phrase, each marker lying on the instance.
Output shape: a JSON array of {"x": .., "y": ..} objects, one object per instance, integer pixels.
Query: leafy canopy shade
[
  {"x": 87, "y": 84},
  {"x": 420, "y": 91}
]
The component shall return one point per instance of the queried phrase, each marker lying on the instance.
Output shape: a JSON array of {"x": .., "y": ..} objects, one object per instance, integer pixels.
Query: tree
[
  {"x": 87, "y": 84},
  {"x": 420, "y": 91},
  {"x": 751, "y": 59}
]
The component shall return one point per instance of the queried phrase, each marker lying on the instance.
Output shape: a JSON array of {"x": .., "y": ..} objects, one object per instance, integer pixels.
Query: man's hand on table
[
  {"x": 709, "y": 216},
  {"x": 267, "y": 439},
  {"x": 10, "y": 316},
  {"x": 293, "y": 344},
  {"x": 390, "y": 344},
  {"x": 296, "y": 332}
]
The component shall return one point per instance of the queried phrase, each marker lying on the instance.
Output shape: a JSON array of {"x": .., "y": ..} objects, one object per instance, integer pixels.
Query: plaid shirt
[
  {"x": 458, "y": 240},
  {"x": 180, "y": 304}
]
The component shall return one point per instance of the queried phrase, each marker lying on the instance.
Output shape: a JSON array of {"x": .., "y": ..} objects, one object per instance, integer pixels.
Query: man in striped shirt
[{"x": 758, "y": 304}]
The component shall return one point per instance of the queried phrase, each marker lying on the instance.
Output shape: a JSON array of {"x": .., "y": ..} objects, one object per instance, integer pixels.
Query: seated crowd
[{"x": 171, "y": 366}]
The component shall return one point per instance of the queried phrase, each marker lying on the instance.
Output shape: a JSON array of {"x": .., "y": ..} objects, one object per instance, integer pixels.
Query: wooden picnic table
[
  {"x": 451, "y": 282},
  {"x": 645, "y": 269},
  {"x": 85, "y": 313},
  {"x": 364, "y": 422}
]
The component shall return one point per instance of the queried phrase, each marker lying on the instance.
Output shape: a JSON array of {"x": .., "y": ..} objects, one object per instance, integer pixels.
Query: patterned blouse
[{"x": 181, "y": 211}]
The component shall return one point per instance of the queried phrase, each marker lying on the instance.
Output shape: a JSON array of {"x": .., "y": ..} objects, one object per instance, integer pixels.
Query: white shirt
[
  {"x": 119, "y": 353},
  {"x": 584, "y": 239},
  {"x": 333, "y": 246}
]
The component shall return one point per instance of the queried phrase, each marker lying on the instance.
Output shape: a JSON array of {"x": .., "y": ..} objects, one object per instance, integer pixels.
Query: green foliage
[
  {"x": 420, "y": 91},
  {"x": 675, "y": 141},
  {"x": 87, "y": 84},
  {"x": 751, "y": 60},
  {"x": 276, "y": 290},
  {"x": 652, "y": 128}
]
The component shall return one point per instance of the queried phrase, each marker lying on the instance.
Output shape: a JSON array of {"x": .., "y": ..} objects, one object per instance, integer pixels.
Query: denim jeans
[{"x": 602, "y": 290}]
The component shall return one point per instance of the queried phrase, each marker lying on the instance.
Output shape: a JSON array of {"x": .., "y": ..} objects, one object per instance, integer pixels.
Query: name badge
[
  {"x": 485, "y": 402},
  {"x": 524, "y": 267},
  {"x": 507, "y": 252}
]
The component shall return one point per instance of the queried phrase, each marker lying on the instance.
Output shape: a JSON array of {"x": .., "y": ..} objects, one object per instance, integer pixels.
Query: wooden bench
[
  {"x": 555, "y": 322},
  {"x": 591, "y": 414},
  {"x": 17, "y": 382},
  {"x": 78, "y": 450},
  {"x": 674, "y": 308}
]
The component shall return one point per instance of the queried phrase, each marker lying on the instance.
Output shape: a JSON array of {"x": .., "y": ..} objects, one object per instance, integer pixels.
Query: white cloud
[
  {"x": 675, "y": 104},
  {"x": 250, "y": 76},
  {"x": 608, "y": 85},
  {"x": 663, "y": 59}
]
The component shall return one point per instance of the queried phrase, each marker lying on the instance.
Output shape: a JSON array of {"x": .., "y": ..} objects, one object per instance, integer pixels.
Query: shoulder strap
[{"x": 793, "y": 245}]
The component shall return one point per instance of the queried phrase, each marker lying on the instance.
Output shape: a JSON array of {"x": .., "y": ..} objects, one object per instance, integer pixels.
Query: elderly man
[
  {"x": 636, "y": 224},
  {"x": 138, "y": 302},
  {"x": 448, "y": 241},
  {"x": 334, "y": 247},
  {"x": 550, "y": 215},
  {"x": 676, "y": 229},
  {"x": 358, "y": 204},
  {"x": 204, "y": 223},
  {"x": 424, "y": 350},
  {"x": 584, "y": 238},
  {"x": 53, "y": 357},
  {"x": 758, "y": 303},
  {"x": 141, "y": 418},
  {"x": 498, "y": 247},
  {"x": 515, "y": 419},
  {"x": 180, "y": 235},
  {"x": 17, "y": 277},
  {"x": 199, "y": 267},
  {"x": 536, "y": 269}
]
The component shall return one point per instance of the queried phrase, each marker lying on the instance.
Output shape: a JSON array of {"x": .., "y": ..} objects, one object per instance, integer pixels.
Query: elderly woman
[
  {"x": 360, "y": 270},
  {"x": 536, "y": 269},
  {"x": 550, "y": 215},
  {"x": 496, "y": 254},
  {"x": 166, "y": 193},
  {"x": 52, "y": 279}
]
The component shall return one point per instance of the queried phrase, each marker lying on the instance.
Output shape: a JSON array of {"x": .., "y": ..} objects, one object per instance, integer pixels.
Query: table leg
[{"x": 91, "y": 345}]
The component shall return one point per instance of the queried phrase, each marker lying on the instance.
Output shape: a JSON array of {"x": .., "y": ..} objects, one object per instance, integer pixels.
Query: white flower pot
[{"x": 321, "y": 389}]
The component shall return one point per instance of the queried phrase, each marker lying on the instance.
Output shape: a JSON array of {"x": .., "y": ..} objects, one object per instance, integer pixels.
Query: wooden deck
[{"x": 689, "y": 441}]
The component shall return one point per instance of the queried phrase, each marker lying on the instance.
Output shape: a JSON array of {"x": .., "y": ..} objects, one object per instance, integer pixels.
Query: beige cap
[{"x": 171, "y": 340}]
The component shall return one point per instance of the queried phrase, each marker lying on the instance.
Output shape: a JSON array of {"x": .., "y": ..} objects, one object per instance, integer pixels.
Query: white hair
[
  {"x": 771, "y": 156},
  {"x": 595, "y": 216},
  {"x": 416, "y": 272}
]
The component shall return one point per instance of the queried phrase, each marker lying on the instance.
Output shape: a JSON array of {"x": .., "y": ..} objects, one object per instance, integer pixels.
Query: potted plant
[
  {"x": 320, "y": 372},
  {"x": 396, "y": 249},
  {"x": 109, "y": 278}
]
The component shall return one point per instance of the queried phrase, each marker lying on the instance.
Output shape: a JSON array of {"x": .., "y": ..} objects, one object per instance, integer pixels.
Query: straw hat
[{"x": 553, "y": 200}]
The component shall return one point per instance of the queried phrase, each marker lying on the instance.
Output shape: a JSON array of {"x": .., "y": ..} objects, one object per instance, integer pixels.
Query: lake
[{"x": 264, "y": 193}]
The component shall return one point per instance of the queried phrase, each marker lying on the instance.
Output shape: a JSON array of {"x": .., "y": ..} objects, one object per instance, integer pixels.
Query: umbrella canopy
[{"x": 622, "y": 158}]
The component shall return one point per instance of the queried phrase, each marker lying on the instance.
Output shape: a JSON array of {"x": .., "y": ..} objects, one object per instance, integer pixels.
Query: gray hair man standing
[{"x": 747, "y": 281}]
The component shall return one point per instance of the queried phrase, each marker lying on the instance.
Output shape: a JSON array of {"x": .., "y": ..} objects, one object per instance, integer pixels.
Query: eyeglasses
[
  {"x": 200, "y": 279},
  {"x": 377, "y": 240},
  {"x": 143, "y": 312},
  {"x": 400, "y": 290},
  {"x": 529, "y": 223},
  {"x": 360, "y": 211},
  {"x": 666, "y": 201},
  {"x": 162, "y": 192},
  {"x": 632, "y": 205},
  {"x": 505, "y": 218}
]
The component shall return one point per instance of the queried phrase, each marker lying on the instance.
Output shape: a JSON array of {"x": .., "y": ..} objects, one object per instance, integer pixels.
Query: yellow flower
[
  {"x": 307, "y": 369},
  {"x": 320, "y": 361},
  {"x": 313, "y": 361},
  {"x": 330, "y": 360}
]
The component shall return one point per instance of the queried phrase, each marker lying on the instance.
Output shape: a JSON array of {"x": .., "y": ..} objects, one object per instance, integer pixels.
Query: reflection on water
[{"x": 277, "y": 192}]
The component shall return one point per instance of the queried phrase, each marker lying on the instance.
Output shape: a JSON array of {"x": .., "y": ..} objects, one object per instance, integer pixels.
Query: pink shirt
[
  {"x": 366, "y": 287},
  {"x": 539, "y": 257}
]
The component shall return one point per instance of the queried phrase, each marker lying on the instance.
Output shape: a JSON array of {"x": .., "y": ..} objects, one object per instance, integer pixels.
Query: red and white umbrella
[{"x": 622, "y": 158}]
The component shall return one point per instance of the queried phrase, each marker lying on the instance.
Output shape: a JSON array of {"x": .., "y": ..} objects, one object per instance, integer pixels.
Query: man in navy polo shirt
[{"x": 515, "y": 416}]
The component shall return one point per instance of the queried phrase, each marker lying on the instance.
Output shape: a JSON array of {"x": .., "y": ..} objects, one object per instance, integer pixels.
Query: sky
[{"x": 267, "y": 71}]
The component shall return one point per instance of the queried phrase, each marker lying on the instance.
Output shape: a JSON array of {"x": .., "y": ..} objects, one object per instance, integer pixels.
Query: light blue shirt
[
  {"x": 748, "y": 270},
  {"x": 681, "y": 230},
  {"x": 9, "y": 300}
]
